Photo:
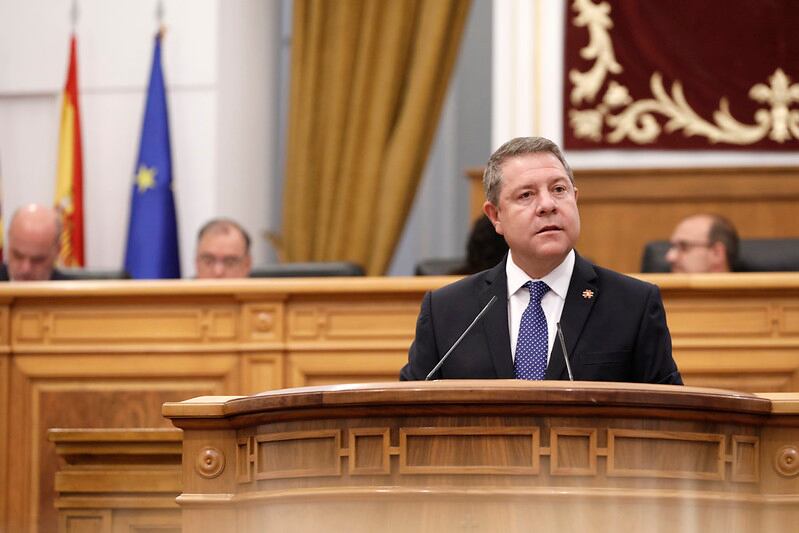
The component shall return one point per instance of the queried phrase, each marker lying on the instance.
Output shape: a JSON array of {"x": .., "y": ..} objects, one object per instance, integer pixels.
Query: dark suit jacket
[
  {"x": 614, "y": 327},
  {"x": 55, "y": 276}
]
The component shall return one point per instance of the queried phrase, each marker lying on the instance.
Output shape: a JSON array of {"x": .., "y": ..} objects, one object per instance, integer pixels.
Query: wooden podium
[{"x": 490, "y": 456}]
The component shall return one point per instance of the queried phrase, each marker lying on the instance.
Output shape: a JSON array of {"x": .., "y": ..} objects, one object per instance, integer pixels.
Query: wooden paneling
[
  {"x": 484, "y": 450},
  {"x": 338, "y": 323},
  {"x": 94, "y": 391},
  {"x": 118, "y": 480},
  {"x": 735, "y": 331},
  {"x": 79, "y": 521},
  {"x": 5, "y": 363},
  {"x": 107, "y": 354},
  {"x": 623, "y": 209},
  {"x": 369, "y": 451},
  {"x": 4, "y": 435},
  {"x": 505, "y": 455},
  {"x": 297, "y": 454},
  {"x": 262, "y": 371},
  {"x": 263, "y": 322},
  {"x": 327, "y": 367},
  {"x": 673, "y": 454},
  {"x": 573, "y": 451},
  {"x": 5, "y": 318}
]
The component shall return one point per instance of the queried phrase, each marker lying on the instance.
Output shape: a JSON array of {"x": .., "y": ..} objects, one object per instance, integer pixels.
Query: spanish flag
[{"x": 69, "y": 184}]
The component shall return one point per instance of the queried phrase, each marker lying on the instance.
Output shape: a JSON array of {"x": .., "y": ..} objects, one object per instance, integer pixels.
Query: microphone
[
  {"x": 457, "y": 342},
  {"x": 565, "y": 353}
]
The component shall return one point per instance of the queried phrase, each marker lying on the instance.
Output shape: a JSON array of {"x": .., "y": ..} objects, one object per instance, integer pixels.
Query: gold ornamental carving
[
  {"x": 635, "y": 119},
  {"x": 786, "y": 462},
  {"x": 210, "y": 462}
]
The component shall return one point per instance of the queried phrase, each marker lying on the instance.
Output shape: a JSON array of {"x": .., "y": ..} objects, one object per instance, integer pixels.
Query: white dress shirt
[{"x": 552, "y": 302}]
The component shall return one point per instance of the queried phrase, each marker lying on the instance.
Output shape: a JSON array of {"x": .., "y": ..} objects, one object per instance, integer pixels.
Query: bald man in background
[{"x": 32, "y": 245}]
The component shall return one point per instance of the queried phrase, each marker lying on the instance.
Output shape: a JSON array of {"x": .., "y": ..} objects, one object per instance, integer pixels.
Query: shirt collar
[{"x": 557, "y": 280}]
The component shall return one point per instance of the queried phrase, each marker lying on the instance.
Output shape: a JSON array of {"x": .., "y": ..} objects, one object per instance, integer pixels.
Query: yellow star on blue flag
[{"x": 145, "y": 179}]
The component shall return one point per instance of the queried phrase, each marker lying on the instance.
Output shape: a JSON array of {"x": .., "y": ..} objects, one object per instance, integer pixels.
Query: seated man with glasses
[
  {"x": 703, "y": 243},
  {"x": 223, "y": 250}
]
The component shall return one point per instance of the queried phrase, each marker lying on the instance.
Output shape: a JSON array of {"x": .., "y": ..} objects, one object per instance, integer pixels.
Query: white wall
[
  {"x": 218, "y": 65},
  {"x": 248, "y": 110}
]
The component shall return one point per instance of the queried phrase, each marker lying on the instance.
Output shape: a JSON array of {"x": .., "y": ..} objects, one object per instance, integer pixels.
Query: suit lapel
[
  {"x": 495, "y": 323},
  {"x": 580, "y": 300}
]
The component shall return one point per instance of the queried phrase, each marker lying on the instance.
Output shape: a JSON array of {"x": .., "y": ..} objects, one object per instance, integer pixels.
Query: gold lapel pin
[{"x": 588, "y": 294}]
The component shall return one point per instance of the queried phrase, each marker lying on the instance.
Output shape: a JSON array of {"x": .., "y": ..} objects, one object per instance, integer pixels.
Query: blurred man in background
[
  {"x": 484, "y": 249},
  {"x": 223, "y": 250},
  {"x": 703, "y": 243},
  {"x": 32, "y": 245}
]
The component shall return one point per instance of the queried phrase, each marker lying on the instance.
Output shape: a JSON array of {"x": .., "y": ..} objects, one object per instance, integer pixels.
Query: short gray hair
[{"x": 492, "y": 177}]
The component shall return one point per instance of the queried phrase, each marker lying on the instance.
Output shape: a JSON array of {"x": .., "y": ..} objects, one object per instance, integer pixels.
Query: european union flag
[{"x": 152, "y": 250}]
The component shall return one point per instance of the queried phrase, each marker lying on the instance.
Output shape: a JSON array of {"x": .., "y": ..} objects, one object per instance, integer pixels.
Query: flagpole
[
  {"x": 74, "y": 12},
  {"x": 159, "y": 12},
  {"x": 159, "y": 17}
]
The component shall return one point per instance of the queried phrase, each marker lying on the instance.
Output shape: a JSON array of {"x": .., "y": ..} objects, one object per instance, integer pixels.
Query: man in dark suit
[
  {"x": 614, "y": 326},
  {"x": 32, "y": 245}
]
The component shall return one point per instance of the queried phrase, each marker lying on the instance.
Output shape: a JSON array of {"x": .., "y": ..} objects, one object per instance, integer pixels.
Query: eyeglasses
[
  {"x": 227, "y": 261},
  {"x": 684, "y": 246}
]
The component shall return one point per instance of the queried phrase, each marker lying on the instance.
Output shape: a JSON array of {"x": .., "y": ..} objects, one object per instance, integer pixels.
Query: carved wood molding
[{"x": 499, "y": 450}]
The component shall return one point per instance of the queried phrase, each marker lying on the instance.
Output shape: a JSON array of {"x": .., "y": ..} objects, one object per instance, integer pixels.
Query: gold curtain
[{"x": 368, "y": 80}]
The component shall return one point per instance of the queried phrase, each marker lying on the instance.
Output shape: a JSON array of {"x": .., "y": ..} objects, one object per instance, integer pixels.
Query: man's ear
[
  {"x": 492, "y": 213},
  {"x": 720, "y": 254}
]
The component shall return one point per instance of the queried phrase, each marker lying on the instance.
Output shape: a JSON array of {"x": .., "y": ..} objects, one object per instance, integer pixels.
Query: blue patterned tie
[{"x": 532, "y": 343}]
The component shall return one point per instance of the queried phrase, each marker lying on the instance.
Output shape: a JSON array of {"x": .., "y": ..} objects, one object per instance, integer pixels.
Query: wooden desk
[
  {"x": 490, "y": 456},
  {"x": 118, "y": 480},
  {"x": 109, "y": 354}
]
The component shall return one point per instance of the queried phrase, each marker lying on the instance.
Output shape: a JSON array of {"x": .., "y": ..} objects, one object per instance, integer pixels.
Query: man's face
[
  {"x": 691, "y": 251},
  {"x": 32, "y": 253},
  {"x": 537, "y": 212},
  {"x": 222, "y": 255}
]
